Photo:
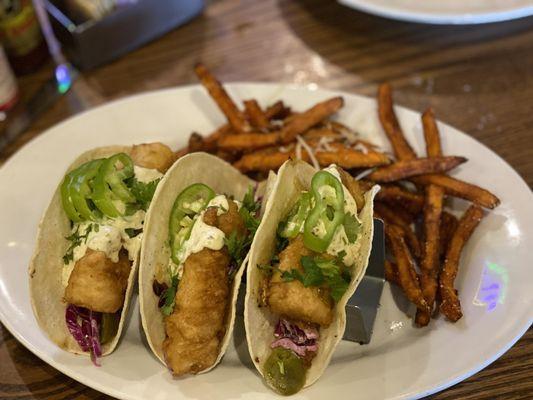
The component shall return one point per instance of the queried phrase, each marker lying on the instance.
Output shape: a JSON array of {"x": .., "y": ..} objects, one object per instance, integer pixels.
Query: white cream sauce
[
  {"x": 146, "y": 175},
  {"x": 109, "y": 235},
  {"x": 202, "y": 235}
]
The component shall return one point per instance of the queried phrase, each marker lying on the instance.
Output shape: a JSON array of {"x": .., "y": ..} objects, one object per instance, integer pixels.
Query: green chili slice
[
  {"x": 297, "y": 217},
  {"x": 66, "y": 199},
  {"x": 80, "y": 188},
  {"x": 327, "y": 214},
  {"x": 191, "y": 201},
  {"x": 109, "y": 184}
]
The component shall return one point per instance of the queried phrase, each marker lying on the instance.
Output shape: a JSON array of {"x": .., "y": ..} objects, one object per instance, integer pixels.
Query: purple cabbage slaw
[
  {"x": 84, "y": 326},
  {"x": 292, "y": 337}
]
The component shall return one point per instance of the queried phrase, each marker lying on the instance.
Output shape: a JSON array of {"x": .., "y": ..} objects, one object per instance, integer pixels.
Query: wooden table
[{"x": 478, "y": 79}]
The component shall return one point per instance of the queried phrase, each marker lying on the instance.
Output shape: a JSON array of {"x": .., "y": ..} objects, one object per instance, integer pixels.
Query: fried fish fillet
[
  {"x": 293, "y": 299},
  {"x": 198, "y": 323},
  {"x": 153, "y": 155},
  {"x": 97, "y": 283}
]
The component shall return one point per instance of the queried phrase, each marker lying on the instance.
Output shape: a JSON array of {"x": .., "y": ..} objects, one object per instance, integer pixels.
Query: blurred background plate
[
  {"x": 401, "y": 361},
  {"x": 445, "y": 11}
]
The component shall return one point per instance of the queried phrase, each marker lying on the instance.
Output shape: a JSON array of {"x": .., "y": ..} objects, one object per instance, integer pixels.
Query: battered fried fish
[
  {"x": 153, "y": 155},
  {"x": 97, "y": 283},
  {"x": 198, "y": 323},
  {"x": 293, "y": 299}
]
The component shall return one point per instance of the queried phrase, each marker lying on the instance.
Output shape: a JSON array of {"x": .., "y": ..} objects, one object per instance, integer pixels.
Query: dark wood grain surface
[{"x": 477, "y": 78}]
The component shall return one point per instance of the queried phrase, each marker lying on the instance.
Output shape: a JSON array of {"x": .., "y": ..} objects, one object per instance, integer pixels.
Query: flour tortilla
[
  {"x": 46, "y": 266},
  {"x": 223, "y": 178},
  {"x": 293, "y": 177}
]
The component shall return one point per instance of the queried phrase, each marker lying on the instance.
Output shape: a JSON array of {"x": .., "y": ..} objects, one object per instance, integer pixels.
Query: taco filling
[
  {"x": 209, "y": 237},
  {"x": 317, "y": 244},
  {"x": 106, "y": 201}
]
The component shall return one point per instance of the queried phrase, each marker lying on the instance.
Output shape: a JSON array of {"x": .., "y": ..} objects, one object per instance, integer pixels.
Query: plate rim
[
  {"x": 439, "y": 19},
  {"x": 415, "y": 394}
]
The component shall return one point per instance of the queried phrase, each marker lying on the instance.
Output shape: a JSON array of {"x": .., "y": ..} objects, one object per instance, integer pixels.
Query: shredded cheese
[
  {"x": 366, "y": 172},
  {"x": 360, "y": 146},
  {"x": 309, "y": 150}
]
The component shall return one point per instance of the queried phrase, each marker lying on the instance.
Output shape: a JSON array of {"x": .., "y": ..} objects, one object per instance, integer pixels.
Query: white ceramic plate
[
  {"x": 445, "y": 11},
  {"x": 401, "y": 362}
]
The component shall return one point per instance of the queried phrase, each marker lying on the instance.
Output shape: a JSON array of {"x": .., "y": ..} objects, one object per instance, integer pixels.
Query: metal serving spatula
[{"x": 363, "y": 305}]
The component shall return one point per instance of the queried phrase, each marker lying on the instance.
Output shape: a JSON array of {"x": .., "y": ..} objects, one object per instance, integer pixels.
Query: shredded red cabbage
[
  {"x": 292, "y": 337},
  {"x": 84, "y": 326}
]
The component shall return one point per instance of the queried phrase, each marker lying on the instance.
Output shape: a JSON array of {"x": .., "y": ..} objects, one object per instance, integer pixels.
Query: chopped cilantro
[
  {"x": 321, "y": 272},
  {"x": 237, "y": 246},
  {"x": 75, "y": 239},
  {"x": 248, "y": 211},
  {"x": 169, "y": 296},
  {"x": 143, "y": 192},
  {"x": 351, "y": 227}
]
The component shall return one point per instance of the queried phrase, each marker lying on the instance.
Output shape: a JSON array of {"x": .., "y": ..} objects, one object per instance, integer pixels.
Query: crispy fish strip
[
  {"x": 293, "y": 299},
  {"x": 309, "y": 118},
  {"x": 220, "y": 96},
  {"x": 406, "y": 268},
  {"x": 450, "y": 305},
  {"x": 255, "y": 114},
  {"x": 429, "y": 266},
  {"x": 153, "y": 155},
  {"x": 97, "y": 283},
  {"x": 406, "y": 169},
  {"x": 198, "y": 322},
  {"x": 402, "y": 149},
  {"x": 457, "y": 188},
  {"x": 196, "y": 326}
]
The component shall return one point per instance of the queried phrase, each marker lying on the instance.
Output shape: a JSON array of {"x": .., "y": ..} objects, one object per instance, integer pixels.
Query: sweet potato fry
[
  {"x": 457, "y": 188},
  {"x": 196, "y": 143},
  {"x": 431, "y": 134},
  {"x": 448, "y": 225},
  {"x": 450, "y": 305},
  {"x": 391, "y": 272},
  {"x": 248, "y": 141},
  {"x": 309, "y": 118},
  {"x": 317, "y": 133},
  {"x": 220, "y": 96},
  {"x": 181, "y": 152},
  {"x": 406, "y": 268},
  {"x": 263, "y": 160},
  {"x": 278, "y": 110},
  {"x": 402, "y": 149},
  {"x": 349, "y": 158},
  {"x": 391, "y": 217},
  {"x": 419, "y": 166},
  {"x": 255, "y": 114},
  {"x": 429, "y": 266},
  {"x": 393, "y": 194},
  {"x": 353, "y": 187}
]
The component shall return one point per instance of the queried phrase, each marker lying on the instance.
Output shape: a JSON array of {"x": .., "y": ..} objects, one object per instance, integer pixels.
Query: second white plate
[{"x": 445, "y": 11}]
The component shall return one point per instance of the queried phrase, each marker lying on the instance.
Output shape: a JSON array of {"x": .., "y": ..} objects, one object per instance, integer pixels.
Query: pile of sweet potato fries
[{"x": 425, "y": 240}]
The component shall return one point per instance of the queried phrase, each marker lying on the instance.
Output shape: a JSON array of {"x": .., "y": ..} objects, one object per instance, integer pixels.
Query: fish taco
[
  {"x": 309, "y": 254},
  {"x": 85, "y": 261},
  {"x": 198, "y": 232}
]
